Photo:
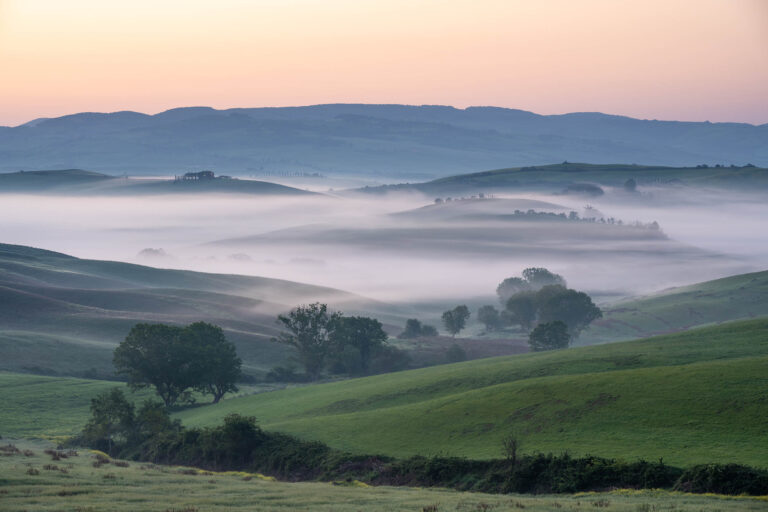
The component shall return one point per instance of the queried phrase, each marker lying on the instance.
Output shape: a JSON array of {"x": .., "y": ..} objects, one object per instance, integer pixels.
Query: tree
[
  {"x": 219, "y": 366},
  {"x": 538, "y": 277},
  {"x": 415, "y": 329},
  {"x": 489, "y": 316},
  {"x": 154, "y": 355},
  {"x": 522, "y": 309},
  {"x": 112, "y": 417},
  {"x": 509, "y": 287},
  {"x": 549, "y": 336},
  {"x": 175, "y": 360},
  {"x": 309, "y": 331},
  {"x": 412, "y": 329},
  {"x": 573, "y": 308},
  {"x": 455, "y": 319},
  {"x": 366, "y": 335}
]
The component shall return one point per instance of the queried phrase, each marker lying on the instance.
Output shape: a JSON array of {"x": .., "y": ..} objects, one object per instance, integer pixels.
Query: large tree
[
  {"x": 573, "y": 308},
  {"x": 455, "y": 319},
  {"x": 522, "y": 308},
  {"x": 175, "y": 360},
  {"x": 154, "y": 355},
  {"x": 549, "y": 336},
  {"x": 366, "y": 335},
  {"x": 550, "y": 303},
  {"x": 219, "y": 366},
  {"x": 309, "y": 329}
]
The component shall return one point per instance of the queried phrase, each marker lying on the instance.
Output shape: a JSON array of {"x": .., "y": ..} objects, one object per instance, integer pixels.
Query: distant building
[{"x": 197, "y": 176}]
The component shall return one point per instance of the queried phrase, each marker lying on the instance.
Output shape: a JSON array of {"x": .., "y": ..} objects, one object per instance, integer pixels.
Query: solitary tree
[
  {"x": 154, "y": 355},
  {"x": 455, "y": 319},
  {"x": 489, "y": 316},
  {"x": 219, "y": 366},
  {"x": 364, "y": 334},
  {"x": 549, "y": 336},
  {"x": 309, "y": 331}
]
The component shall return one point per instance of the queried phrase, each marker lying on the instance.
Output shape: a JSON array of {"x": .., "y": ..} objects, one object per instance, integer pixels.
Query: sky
[{"x": 691, "y": 60}]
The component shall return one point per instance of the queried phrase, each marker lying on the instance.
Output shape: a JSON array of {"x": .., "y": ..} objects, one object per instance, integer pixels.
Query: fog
[{"x": 452, "y": 253}]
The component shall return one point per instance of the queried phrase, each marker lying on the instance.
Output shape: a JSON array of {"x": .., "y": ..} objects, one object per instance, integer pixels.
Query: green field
[
  {"x": 677, "y": 309},
  {"x": 692, "y": 397},
  {"x": 35, "y": 482}
]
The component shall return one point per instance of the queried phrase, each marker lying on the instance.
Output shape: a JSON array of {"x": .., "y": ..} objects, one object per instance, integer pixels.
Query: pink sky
[{"x": 672, "y": 59}]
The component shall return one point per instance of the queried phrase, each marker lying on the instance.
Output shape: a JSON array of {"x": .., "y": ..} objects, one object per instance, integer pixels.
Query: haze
[
  {"x": 353, "y": 243},
  {"x": 652, "y": 59}
]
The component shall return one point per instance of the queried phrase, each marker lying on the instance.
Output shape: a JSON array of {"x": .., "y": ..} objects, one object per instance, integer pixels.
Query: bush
[{"x": 724, "y": 479}]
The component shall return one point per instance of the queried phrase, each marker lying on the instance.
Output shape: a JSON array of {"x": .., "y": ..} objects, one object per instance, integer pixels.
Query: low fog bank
[{"x": 364, "y": 245}]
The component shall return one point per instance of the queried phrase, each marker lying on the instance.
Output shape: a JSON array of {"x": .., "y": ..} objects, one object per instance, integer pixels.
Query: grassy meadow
[
  {"x": 31, "y": 480},
  {"x": 691, "y": 397},
  {"x": 676, "y": 309}
]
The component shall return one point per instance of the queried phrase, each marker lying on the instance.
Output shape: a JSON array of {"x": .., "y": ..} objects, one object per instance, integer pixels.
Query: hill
[
  {"x": 558, "y": 177},
  {"x": 79, "y": 182},
  {"x": 62, "y": 315},
  {"x": 676, "y": 309},
  {"x": 383, "y": 141},
  {"x": 691, "y": 397}
]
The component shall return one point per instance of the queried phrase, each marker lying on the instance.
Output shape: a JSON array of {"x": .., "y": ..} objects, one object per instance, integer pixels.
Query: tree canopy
[
  {"x": 364, "y": 334},
  {"x": 415, "y": 329},
  {"x": 175, "y": 360},
  {"x": 489, "y": 316},
  {"x": 549, "y": 336},
  {"x": 553, "y": 302},
  {"x": 533, "y": 279},
  {"x": 309, "y": 330},
  {"x": 455, "y": 319}
]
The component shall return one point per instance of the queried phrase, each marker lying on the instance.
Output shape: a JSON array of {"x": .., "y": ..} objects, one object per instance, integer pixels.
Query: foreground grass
[{"x": 35, "y": 482}]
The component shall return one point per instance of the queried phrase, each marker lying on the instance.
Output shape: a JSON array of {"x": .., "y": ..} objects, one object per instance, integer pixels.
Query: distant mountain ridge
[{"x": 366, "y": 140}]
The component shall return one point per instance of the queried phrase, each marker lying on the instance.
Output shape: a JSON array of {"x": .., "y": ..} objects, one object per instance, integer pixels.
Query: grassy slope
[
  {"x": 730, "y": 298},
  {"x": 64, "y": 315},
  {"x": 561, "y": 175},
  {"x": 76, "y": 181},
  {"x": 691, "y": 397},
  {"x": 149, "y": 487}
]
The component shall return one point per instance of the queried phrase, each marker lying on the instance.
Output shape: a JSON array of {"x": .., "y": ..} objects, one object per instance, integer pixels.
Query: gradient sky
[{"x": 657, "y": 59}]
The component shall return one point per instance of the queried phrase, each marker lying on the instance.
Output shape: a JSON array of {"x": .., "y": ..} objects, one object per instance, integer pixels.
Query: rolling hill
[
  {"x": 676, "y": 309},
  {"x": 382, "y": 141},
  {"x": 62, "y": 315},
  {"x": 691, "y": 397},
  {"x": 79, "y": 182},
  {"x": 556, "y": 178}
]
